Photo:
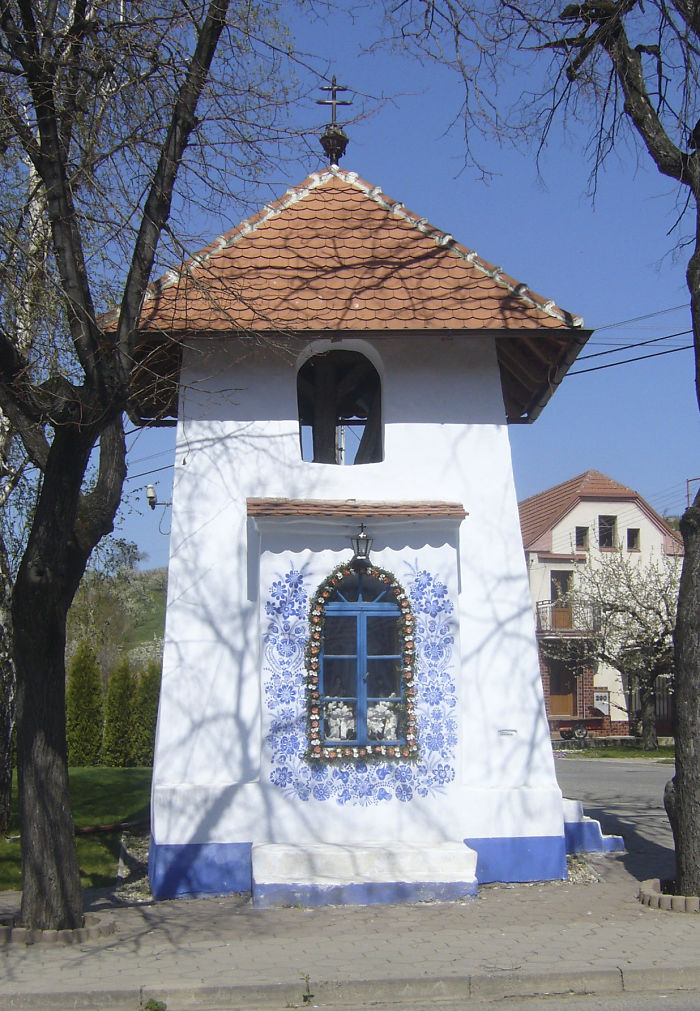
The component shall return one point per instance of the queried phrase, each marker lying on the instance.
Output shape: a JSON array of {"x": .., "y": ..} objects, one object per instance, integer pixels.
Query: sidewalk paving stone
[{"x": 510, "y": 940}]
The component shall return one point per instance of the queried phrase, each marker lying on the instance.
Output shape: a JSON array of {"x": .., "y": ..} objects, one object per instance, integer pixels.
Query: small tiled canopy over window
[{"x": 339, "y": 397}]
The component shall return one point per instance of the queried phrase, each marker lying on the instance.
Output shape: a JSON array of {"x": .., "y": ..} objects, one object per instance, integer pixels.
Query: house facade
[
  {"x": 338, "y": 724},
  {"x": 563, "y": 528}
]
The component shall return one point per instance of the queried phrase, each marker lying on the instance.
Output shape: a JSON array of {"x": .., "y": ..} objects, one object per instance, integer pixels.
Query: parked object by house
[
  {"x": 340, "y": 724},
  {"x": 577, "y": 524}
]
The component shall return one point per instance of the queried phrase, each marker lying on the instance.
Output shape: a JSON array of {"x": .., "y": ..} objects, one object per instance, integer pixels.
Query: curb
[
  {"x": 651, "y": 894},
  {"x": 93, "y": 928},
  {"x": 367, "y": 993}
]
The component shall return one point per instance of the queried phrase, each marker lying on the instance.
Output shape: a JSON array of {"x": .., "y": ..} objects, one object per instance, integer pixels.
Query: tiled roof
[
  {"x": 540, "y": 512},
  {"x": 354, "y": 508},
  {"x": 336, "y": 254}
]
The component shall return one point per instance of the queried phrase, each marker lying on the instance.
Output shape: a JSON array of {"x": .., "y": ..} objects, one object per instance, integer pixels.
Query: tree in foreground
[
  {"x": 99, "y": 104},
  {"x": 625, "y": 70},
  {"x": 84, "y": 708},
  {"x": 119, "y": 703}
]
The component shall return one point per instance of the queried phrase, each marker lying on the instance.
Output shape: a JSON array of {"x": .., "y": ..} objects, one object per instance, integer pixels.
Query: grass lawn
[
  {"x": 666, "y": 752},
  {"x": 100, "y": 796}
]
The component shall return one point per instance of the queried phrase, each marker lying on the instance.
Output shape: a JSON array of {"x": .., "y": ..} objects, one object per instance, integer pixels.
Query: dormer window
[{"x": 339, "y": 398}]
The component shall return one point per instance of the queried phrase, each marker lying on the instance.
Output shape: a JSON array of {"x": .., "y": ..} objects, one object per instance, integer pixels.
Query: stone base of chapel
[{"x": 322, "y": 874}]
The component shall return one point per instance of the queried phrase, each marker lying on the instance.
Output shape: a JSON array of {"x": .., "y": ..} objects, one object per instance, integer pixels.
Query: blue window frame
[{"x": 361, "y": 668}]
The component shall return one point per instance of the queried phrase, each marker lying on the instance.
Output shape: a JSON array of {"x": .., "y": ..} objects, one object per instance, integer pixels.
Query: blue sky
[{"x": 612, "y": 262}]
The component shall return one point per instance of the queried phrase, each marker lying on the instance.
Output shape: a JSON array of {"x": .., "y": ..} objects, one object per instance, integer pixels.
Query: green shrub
[
  {"x": 144, "y": 715},
  {"x": 116, "y": 740},
  {"x": 84, "y": 708}
]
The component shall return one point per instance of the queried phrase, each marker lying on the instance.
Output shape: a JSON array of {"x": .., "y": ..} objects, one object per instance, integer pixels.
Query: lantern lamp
[{"x": 361, "y": 545}]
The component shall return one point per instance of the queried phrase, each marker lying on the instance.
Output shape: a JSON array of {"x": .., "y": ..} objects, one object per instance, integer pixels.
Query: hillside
[{"x": 120, "y": 615}]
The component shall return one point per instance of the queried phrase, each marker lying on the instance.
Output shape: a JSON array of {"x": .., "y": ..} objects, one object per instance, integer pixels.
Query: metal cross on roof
[{"x": 333, "y": 139}]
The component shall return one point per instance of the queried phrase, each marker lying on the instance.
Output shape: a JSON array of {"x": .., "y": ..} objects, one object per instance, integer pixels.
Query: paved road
[{"x": 626, "y": 796}]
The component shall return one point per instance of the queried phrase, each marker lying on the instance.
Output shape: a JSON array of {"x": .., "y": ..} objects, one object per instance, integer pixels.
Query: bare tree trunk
[
  {"x": 7, "y": 691},
  {"x": 687, "y": 778},
  {"x": 647, "y": 698},
  {"x": 65, "y": 529},
  {"x": 44, "y": 588},
  {"x": 687, "y": 651}
]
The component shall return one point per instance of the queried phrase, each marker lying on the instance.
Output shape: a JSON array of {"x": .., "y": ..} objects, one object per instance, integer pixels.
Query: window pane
[
  {"x": 606, "y": 531},
  {"x": 383, "y": 636},
  {"x": 340, "y": 636},
  {"x": 383, "y": 679},
  {"x": 340, "y": 721},
  {"x": 561, "y": 583},
  {"x": 340, "y": 678},
  {"x": 383, "y": 721}
]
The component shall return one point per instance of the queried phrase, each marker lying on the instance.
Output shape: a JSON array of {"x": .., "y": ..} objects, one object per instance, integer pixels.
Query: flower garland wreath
[{"x": 320, "y": 752}]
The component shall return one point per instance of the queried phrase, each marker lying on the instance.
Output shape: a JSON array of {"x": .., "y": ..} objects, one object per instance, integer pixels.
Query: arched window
[
  {"x": 339, "y": 398},
  {"x": 361, "y": 668}
]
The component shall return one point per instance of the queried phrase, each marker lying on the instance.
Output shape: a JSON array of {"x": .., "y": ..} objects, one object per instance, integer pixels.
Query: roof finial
[{"x": 333, "y": 139}]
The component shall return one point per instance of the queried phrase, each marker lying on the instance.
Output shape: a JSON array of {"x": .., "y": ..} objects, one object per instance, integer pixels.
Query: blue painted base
[
  {"x": 220, "y": 868},
  {"x": 587, "y": 837},
  {"x": 199, "y": 869},
  {"x": 361, "y": 894},
  {"x": 524, "y": 858}
]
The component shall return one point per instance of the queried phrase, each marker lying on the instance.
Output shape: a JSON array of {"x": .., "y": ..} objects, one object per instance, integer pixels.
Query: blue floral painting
[{"x": 284, "y": 679}]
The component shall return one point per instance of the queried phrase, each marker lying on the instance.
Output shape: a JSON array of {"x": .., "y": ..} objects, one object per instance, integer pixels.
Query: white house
[
  {"x": 564, "y": 528},
  {"x": 333, "y": 730}
]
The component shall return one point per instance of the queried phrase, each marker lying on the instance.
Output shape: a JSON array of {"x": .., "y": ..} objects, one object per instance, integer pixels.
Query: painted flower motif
[
  {"x": 444, "y": 774},
  {"x": 321, "y": 791},
  {"x": 281, "y": 776},
  {"x": 358, "y": 781},
  {"x": 403, "y": 792}
]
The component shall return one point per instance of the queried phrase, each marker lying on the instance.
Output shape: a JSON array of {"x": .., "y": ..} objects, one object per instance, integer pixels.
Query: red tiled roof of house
[
  {"x": 540, "y": 512},
  {"x": 336, "y": 254}
]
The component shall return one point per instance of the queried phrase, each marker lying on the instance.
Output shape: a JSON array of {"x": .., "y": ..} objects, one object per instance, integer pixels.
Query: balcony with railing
[{"x": 570, "y": 618}]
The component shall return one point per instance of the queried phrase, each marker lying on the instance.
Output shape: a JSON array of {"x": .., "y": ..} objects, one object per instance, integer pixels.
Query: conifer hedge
[
  {"x": 84, "y": 708},
  {"x": 116, "y": 740},
  {"x": 144, "y": 715}
]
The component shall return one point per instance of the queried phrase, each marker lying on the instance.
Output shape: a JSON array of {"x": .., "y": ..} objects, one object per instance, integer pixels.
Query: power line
[
  {"x": 638, "y": 319},
  {"x": 637, "y": 344},
  {"x": 147, "y": 473},
  {"x": 626, "y": 361}
]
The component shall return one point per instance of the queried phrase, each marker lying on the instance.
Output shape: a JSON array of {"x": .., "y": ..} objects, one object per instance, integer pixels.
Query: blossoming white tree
[{"x": 637, "y": 606}]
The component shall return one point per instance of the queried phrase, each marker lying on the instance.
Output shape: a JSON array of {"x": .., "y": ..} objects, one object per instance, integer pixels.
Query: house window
[
  {"x": 339, "y": 400},
  {"x": 582, "y": 538},
  {"x": 633, "y": 538},
  {"x": 360, "y": 662},
  {"x": 606, "y": 531},
  {"x": 560, "y": 583}
]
